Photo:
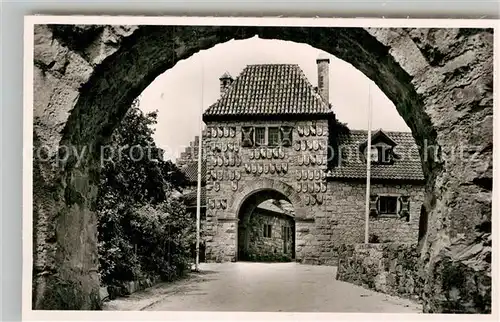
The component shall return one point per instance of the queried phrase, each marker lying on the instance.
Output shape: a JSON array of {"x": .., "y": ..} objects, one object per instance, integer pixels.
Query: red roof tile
[{"x": 270, "y": 89}]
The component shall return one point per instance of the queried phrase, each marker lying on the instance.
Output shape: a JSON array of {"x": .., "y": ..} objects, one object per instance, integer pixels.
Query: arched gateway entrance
[
  {"x": 266, "y": 228},
  {"x": 440, "y": 80},
  {"x": 244, "y": 203}
]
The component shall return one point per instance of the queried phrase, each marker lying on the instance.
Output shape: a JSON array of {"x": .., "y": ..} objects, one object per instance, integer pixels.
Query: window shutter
[
  {"x": 286, "y": 135},
  {"x": 380, "y": 156},
  {"x": 389, "y": 155},
  {"x": 374, "y": 205},
  {"x": 404, "y": 207},
  {"x": 247, "y": 136}
]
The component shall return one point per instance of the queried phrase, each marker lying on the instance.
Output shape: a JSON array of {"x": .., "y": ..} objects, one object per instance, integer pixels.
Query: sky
[{"x": 192, "y": 85}]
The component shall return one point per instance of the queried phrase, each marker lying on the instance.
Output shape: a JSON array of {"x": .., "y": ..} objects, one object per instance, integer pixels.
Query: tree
[{"x": 143, "y": 229}]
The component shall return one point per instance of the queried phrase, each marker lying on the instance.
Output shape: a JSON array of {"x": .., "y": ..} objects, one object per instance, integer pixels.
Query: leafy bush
[
  {"x": 143, "y": 228},
  {"x": 268, "y": 257}
]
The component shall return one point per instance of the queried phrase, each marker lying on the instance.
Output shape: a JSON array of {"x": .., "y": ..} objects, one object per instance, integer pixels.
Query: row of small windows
[{"x": 271, "y": 136}]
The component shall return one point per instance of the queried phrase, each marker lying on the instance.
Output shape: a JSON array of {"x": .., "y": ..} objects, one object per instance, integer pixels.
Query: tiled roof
[
  {"x": 407, "y": 164},
  {"x": 282, "y": 207},
  {"x": 191, "y": 171},
  {"x": 270, "y": 89}
]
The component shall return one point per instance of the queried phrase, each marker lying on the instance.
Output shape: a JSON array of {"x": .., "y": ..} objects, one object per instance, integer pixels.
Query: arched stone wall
[
  {"x": 280, "y": 187},
  {"x": 440, "y": 80},
  {"x": 245, "y": 202}
]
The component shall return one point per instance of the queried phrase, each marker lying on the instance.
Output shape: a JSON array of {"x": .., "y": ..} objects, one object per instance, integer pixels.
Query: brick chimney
[
  {"x": 323, "y": 62},
  {"x": 225, "y": 81}
]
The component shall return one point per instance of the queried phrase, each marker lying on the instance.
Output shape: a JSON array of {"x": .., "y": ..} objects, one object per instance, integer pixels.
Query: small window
[
  {"x": 268, "y": 230},
  {"x": 273, "y": 136},
  {"x": 385, "y": 154},
  {"x": 260, "y": 136},
  {"x": 285, "y": 233},
  {"x": 381, "y": 154},
  {"x": 388, "y": 205}
]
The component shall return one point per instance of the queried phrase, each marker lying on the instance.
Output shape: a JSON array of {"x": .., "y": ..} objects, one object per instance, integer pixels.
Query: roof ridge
[
  {"x": 270, "y": 89},
  {"x": 385, "y": 131},
  {"x": 273, "y": 64}
]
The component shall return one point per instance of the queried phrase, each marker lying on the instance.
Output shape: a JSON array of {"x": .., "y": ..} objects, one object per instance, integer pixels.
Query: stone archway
[
  {"x": 268, "y": 184},
  {"x": 440, "y": 80},
  {"x": 261, "y": 190},
  {"x": 272, "y": 244}
]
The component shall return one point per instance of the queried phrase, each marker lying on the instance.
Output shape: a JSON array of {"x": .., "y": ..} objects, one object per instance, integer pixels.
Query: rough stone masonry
[{"x": 440, "y": 80}]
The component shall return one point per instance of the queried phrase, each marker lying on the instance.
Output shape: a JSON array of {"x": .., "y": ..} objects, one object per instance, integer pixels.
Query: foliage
[
  {"x": 63, "y": 294},
  {"x": 143, "y": 226},
  {"x": 269, "y": 257}
]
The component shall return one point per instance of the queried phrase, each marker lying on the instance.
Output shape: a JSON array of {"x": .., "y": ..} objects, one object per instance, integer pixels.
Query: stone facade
[
  {"x": 287, "y": 134},
  {"x": 345, "y": 208},
  {"x": 341, "y": 220},
  {"x": 328, "y": 213},
  {"x": 235, "y": 172},
  {"x": 276, "y": 244}
]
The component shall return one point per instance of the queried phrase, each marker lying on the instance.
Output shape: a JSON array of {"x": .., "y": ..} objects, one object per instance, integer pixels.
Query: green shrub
[{"x": 143, "y": 229}]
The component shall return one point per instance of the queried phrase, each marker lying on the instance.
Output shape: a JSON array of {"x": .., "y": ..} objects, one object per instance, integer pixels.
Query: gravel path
[{"x": 262, "y": 287}]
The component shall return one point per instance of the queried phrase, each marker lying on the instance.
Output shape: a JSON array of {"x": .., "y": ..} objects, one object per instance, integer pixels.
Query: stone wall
[
  {"x": 398, "y": 269},
  {"x": 341, "y": 220},
  {"x": 128, "y": 287},
  {"x": 388, "y": 268},
  {"x": 269, "y": 247},
  {"x": 346, "y": 208}
]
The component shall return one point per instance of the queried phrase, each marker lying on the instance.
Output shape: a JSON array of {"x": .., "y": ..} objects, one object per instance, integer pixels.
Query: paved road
[{"x": 261, "y": 287}]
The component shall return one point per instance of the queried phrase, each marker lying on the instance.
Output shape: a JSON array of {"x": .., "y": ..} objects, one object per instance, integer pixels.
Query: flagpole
[
  {"x": 368, "y": 164},
  {"x": 198, "y": 192}
]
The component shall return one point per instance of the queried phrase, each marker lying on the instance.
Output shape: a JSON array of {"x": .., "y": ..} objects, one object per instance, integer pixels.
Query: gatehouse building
[{"x": 283, "y": 179}]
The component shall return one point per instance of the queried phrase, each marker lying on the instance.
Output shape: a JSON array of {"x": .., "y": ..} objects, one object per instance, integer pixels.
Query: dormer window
[
  {"x": 381, "y": 154},
  {"x": 381, "y": 148}
]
